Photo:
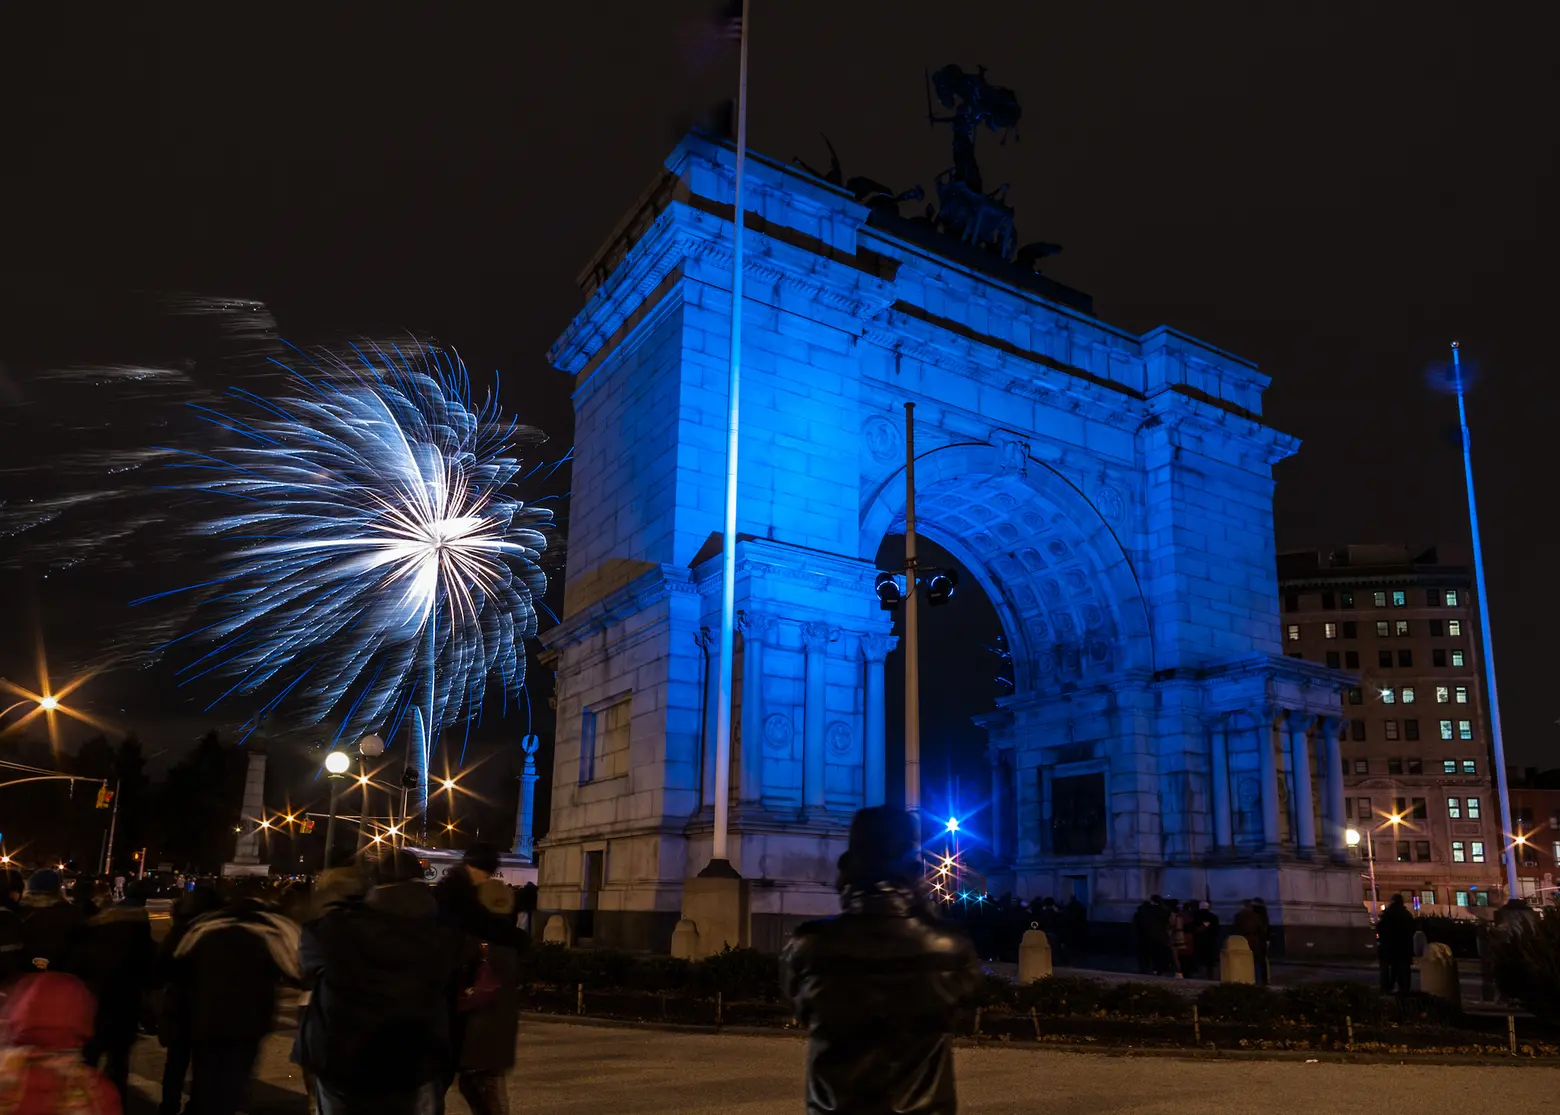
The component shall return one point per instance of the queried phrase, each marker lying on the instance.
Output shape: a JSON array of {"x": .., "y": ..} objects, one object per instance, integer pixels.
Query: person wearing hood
[
  {"x": 115, "y": 959},
  {"x": 877, "y": 986},
  {"x": 174, "y": 1027},
  {"x": 486, "y": 1018},
  {"x": 51, "y": 926},
  {"x": 232, "y": 961},
  {"x": 46, "y": 1021},
  {"x": 376, "y": 1034}
]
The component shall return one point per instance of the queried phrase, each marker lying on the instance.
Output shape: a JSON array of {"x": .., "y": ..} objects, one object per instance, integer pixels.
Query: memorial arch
[{"x": 1112, "y": 493}]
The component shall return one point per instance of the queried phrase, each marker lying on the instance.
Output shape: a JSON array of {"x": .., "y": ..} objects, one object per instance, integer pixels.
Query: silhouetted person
[
  {"x": 234, "y": 959},
  {"x": 487, "y": 1005},
  {"x": 376, "y": 1034},
  {"x": 1264, "y": 968},
  {"x": 877, "y": 986},
  {"x": 1395, "y": 946},
  {"x": 1205, "y": 941},
  {"x": 46, "y": 1020},
  {"x": 173, "y": 1020},
  {"x": 12, "y": 940},
  {"x": 115, "y": 958},
  {"x": 51, "y": 926}
]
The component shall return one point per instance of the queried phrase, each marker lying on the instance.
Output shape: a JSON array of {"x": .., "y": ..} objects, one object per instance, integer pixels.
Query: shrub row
[{"x": 736, "y": 974}]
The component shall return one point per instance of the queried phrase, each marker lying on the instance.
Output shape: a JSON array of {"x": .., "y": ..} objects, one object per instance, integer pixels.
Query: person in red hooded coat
[{"x": 46, "y": 1022}]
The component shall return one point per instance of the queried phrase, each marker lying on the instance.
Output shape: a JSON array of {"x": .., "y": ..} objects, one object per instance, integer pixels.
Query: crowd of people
[
  {"x": 406, "y": 990},
  {"x": 1181, "y": 939}
]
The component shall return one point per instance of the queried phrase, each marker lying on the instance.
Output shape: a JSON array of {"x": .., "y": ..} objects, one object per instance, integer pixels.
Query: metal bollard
[
  {"x": 1348, "y": 1027},
  {"x": 977, "y": 1022},
  {"x": 1196, "y": 1026},
  {"x": 719, "y": 1006},
  {"x": 579, "y": 998},
  {"x": 1511, "y": 1033},
  {"x": 1034, "y": 1019}
]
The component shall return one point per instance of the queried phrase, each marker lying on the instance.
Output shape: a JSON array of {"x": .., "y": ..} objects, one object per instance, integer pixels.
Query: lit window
[
  {"x": 1294, "y": 632},
  {"x": 1400, "y": 626},
  {"x": 1448, "y": 766},
  {"x": 1454, "y": 627},
  {"x": 1392, "y": 729},
  {"x": 1383, "y": 629},
  {"x": 1462, "y": 895},
  {"x": 1408, "y": 694},
  {"x": 1451, "y": 598},
  {"x": 1470, "y": 766},
  {"x": 1476, "y": 851},
  {"x": 1381, "y": 600},
  {"x": 1481, "y": 898},
  {"x": 1554, "y": 850},
  {"x": 1454, "y": 808},
  {"x": 1427, "y": 897},
  {"x": 1473, "y": 809},
  {"x": 1442, "y": 694},
  {"x": 1399, "y": 599},
  {"x": 1330, "y": 630},
  {"x": 1465, "y": 729},
  {"x": 1457, "y": 658},
  {"x": 1361, "y": 766},
  {"x": 1389, "y": 696},
  {"x": 1459, "y": 855},
  {"x": 1462, "y": 694},
  {"x": 1446, "y": 733}
]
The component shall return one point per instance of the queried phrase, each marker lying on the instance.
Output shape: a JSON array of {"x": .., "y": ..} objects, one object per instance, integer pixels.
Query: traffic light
[
  {"x": 307, "y": 827},
  {"x": 409, "y": 778},
  {"x": 105, "y": 797}
]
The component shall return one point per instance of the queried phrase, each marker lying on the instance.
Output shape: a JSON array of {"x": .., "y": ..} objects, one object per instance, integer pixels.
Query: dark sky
[{"x": 1334, "y": 190}]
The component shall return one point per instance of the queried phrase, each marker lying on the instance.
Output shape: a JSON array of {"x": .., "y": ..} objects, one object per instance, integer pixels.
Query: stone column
[
  {"x": 709, "y": 645},
  {"x": 1219, "y": 772},
  {"x": 247, "y": 851},
  {"x": 1337, "y": 834},
  {"x": 1305, "y": 803},
  {"x": 756, "y": 628},
  {"x": 1267, "y": 757},
  {"x": 525, "y": 822},
  {"x": 874, "y": 753},
  {"x": 815, "y": 640}
]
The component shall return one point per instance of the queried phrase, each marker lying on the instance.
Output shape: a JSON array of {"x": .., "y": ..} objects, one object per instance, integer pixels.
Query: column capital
[
  {"x": 1331, "y": 727},
  {"x": 875, "y": 647},
  {"x": 1299, "y": 722},
  {"x": 756, "y": 626},
  {"x": 817, "y": 635}
]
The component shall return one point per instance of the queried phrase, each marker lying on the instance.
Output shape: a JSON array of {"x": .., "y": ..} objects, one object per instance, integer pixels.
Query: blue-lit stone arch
[{"x": 1058, "y": 577}]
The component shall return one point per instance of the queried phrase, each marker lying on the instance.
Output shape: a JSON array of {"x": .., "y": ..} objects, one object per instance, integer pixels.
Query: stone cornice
[
  {"x": 760, "y": 557},
  {"x": 645, "y": 590},
  {"x": 1182, "y": 411},
  {"x": 683, "y": 232}
]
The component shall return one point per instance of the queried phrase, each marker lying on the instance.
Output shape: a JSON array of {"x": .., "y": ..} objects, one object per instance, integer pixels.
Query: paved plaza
[{"x": 587, "y": 1070}]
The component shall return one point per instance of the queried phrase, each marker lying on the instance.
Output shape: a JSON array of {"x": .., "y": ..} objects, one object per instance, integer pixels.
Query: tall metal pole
[
  {"x": 113, "y": 823},
  {"x": 330, "y": 824},
  {"x": 912, "y": 631},
  {"x": 728, "y": 588},
  {"x": 1489, "y": 638},
  {"x": 1370, "y": 856}
]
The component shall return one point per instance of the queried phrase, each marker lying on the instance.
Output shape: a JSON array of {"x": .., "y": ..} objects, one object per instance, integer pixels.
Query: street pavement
[{"x": 587, "y": 1070}]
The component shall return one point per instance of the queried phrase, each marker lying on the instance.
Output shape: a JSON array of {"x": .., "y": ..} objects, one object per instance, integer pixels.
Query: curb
[{"x": 1118, "y": 1052}]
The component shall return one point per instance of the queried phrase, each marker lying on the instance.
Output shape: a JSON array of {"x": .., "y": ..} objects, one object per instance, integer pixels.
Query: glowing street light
[
  {"x": 953, "y": 824},
  {"x": 336, "y": 764},
  {"x": 49, "y": 702},
  {"x": 1352, "y": 837}
]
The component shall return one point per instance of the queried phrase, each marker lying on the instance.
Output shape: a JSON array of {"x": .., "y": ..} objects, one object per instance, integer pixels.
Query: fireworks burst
[{"x": 381, "y": 565}]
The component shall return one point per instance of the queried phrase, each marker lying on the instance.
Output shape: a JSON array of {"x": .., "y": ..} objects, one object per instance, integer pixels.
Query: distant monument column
[
  {"x": 246, "y": 852},
  {"x": 525, "y": 823}
]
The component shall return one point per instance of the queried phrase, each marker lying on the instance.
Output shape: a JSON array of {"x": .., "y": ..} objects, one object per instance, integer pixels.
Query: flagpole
[{"x": 728, "y": 588}]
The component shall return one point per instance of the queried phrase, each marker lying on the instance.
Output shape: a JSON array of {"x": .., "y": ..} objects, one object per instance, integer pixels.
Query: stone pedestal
[
  {"x": 557, "y": 931},
  {"x": 718, "y": 907},
  {"x": 1034, "y": 957},
  {"x": 1236, "y": 964}
]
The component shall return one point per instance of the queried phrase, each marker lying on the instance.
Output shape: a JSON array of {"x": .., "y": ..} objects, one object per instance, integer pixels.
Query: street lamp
[
  {"x": 1352, "y": 837},
  {"x": 336, "y": 764},
  {"x": 369, "y": 747}
]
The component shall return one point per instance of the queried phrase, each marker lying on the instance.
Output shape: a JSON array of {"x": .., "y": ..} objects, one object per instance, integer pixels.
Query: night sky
[{"x": 1332, "y": 190}]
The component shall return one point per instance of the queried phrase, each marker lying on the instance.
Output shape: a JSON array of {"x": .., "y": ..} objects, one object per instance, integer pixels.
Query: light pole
[
  {"x": 1353, "y": 837},
  {"x": 1460, "y": 387},
  {"x": 336, "y": 764}
]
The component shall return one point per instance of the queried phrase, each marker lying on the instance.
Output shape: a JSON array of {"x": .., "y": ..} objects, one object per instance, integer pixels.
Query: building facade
[
  {"x": 1110, "y": 492},
  {"x": 1535, "y": 831},
  {"x": 1416, "y": 753}
]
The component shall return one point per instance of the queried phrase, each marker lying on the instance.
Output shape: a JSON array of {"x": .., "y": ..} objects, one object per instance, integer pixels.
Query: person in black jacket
[
  {"x": 115, "y": 959},
  {"x": 232, "y": 961},
  {"x": 487, "y": 1006},
  {"x": 173, "y": 1019},
  {"x": 51, "y": 926},
  {"x": 1395, "y": 946},
  {"x": 376, "y": 1034},
  {"x": 877, "y": 986}
]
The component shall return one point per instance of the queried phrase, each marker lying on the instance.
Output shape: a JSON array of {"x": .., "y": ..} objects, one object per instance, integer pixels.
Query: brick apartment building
[
  {"x": 1535, "y": 826},
  {"x": 1416, "y": 752}
]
